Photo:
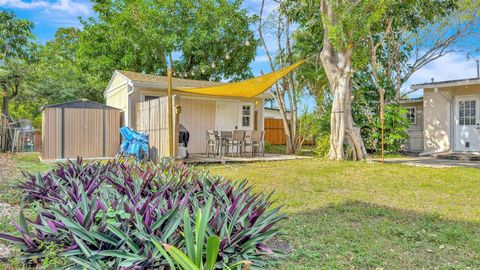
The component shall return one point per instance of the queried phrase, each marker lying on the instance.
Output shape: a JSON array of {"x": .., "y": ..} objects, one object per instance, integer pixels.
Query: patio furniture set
[{"x": 220, "y": 143}]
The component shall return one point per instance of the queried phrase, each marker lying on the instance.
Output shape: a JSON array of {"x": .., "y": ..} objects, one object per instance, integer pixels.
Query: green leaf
[
  {"x": 201, "y": 227},
  {"x": 164, "y": 253},
  {"x": 22, "y": 221},
  {"x": 213, "y": 244},
  {"x": 104, "y": 238},
  {"x": 84, "y": 263},
  {"x": 134, "y": 247},
  {"x": 188, "y": 235},
  {"x": 121, "y": 254},
  {"x": 89, "y": 212},
  {"x": 181, "y": 259},
  {"x": 83, "y": 247}
]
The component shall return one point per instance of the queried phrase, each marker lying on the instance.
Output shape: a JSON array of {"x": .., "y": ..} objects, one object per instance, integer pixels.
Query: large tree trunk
[{"x": 338, "y": 68}]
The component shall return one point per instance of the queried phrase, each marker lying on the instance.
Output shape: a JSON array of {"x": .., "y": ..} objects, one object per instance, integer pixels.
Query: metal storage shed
[{"x": 80, "y": 128}]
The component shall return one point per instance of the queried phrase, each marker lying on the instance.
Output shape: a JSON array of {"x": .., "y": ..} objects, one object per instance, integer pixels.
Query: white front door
[
  {"x": 467, "y": 123},
  {"x": 227, "y": 115}
]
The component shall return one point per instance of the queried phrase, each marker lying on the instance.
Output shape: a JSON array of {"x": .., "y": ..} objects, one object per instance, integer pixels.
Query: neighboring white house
[
  {"x": 448, "y": 117},
  {"x": 199, "y": 112},
  {"x": 274, "y": 113}
]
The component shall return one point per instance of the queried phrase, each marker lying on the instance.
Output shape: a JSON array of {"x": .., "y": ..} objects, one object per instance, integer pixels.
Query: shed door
[
  {"x": 83, "y": 133},
  {"x": 467, "y": 124},
  {"x": 227, "y": 115}
]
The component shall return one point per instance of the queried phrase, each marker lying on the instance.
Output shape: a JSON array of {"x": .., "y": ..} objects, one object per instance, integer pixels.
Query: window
[
  {"x": 411, "y": 115},
  {"x": 467, "y": 113},
  {"x": 246, "y": 115}
]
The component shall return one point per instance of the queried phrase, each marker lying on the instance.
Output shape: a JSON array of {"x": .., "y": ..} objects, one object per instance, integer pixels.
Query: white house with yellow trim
[
  {"x": 199, "y": 112},
  {"x": 446, "y": 119}
]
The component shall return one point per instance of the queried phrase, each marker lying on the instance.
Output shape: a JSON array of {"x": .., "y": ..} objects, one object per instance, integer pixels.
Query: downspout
[{"x": 130, "y": 90}]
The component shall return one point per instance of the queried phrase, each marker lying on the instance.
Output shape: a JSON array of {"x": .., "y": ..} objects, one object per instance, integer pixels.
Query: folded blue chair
[{"x": 134, "y": 143}]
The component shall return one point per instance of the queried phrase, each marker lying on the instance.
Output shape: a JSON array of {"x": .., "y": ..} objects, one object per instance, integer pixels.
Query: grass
[
  {"x": 27, "y": 162},
  {"x": 356, "y": 215},
  {"x": 306, "y": 150}
]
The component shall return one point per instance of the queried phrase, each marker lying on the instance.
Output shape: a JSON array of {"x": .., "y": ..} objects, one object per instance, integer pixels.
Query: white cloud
[
  {"x": 253, "y": 7},
  {"x": 66, "y": 6},
  {"x": 450, "y": 67}
]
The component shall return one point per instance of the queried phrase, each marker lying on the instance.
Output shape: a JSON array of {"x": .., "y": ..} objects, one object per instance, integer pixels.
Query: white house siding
[
  {"x": 198, "y": 116},
  {"x": 436, "y": 123}
]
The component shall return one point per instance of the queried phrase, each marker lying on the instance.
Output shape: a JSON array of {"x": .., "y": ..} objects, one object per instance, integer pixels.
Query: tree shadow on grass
[{"x": 358, "y": 235}]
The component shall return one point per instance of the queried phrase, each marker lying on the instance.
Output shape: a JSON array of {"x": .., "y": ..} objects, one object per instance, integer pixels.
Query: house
[
  {"x": 446, "y": 119},
  {"x": 199, "y": 113},
  {"x": 274, "y": 113}
]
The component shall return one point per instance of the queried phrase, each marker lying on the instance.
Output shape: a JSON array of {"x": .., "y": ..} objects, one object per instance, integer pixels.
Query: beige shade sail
[{"x": 248, "y": 88}]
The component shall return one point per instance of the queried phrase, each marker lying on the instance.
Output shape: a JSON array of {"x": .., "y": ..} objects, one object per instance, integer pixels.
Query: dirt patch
[
  {"x": 279, "y": 245},
  {"x": 7, "y": 166},
  {"x": 7, "y": 170}
]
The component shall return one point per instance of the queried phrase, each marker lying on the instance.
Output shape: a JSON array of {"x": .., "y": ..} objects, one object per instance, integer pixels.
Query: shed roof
[{"x": 81, "y": 104}]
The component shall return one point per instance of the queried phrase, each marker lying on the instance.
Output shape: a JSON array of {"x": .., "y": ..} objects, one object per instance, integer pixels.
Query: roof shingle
[{"x": 177, "y": 82}]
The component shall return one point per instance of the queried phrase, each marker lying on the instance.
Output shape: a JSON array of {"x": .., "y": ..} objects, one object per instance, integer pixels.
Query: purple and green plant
[{"x": 104, "y": 215}]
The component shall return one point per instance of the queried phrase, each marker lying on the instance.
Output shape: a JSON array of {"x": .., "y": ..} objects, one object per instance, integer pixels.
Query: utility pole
[{"x": 170, "y": 114}]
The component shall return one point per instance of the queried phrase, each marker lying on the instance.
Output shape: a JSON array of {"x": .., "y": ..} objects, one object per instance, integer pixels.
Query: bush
[
  {"x": 322, "y": 146},
  {"x": 107, "y": 216},
  {"x": 396, "y": 125}
]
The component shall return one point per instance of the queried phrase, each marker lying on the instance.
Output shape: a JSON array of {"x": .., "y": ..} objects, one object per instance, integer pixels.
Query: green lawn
[
  {"x": 355, "y": 215},
  {"x": 352, "y": 215}
]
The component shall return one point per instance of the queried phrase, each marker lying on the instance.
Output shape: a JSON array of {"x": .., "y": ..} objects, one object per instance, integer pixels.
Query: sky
[{"x": 49, "y": 15}]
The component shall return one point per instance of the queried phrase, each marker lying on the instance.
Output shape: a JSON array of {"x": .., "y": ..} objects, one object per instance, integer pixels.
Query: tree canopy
[{"x": 212, "y": 38}]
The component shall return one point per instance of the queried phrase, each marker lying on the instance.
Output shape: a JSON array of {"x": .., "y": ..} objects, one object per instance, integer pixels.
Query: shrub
[
  {"x": 106, "y": 215},
  {"x": 322, "y": 146},
  {"x": 396, "y": 125}
]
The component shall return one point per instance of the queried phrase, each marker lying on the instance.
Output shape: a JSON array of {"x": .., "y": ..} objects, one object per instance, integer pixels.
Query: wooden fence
[
  {"x": 152, "y": 118},
  {"x": 275, "y": 134}
]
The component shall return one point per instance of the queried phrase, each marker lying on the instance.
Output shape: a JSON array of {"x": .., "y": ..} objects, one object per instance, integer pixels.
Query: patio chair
[
  {"x": 225, "y": 139},
  {"x": 247, "y": 140},
  {"x": 238, "y": 140},
  {"x": 256, "y": 143},
  {"x": 212, "y": 143}
]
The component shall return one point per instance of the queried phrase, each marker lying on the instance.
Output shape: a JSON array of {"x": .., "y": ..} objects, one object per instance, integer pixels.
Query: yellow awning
[{"x": 249, "y": 88}]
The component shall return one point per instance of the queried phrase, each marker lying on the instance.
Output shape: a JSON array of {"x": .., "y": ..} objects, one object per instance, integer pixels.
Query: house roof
[
  {"x": 155, "y": 81},
  {"x": 178, "y": 83},
  {"x": 411, "y": 100},
  {"x": 449, "y": 83},
  {"x": 275, "y": 109},
  {"x": 80, "y": 104}
]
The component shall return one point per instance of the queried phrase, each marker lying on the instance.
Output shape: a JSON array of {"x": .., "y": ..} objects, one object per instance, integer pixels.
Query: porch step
[{"x": 458, "y": 156}]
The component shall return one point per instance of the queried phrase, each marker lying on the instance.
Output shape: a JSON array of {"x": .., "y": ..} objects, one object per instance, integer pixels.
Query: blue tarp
[{"x": 134, "y": 143}]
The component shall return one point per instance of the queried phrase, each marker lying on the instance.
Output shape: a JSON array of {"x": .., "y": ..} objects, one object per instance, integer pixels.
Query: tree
[
  {"x": 58, "y": 77},
  {"x": 287, "y": 92},
  {"x": 15, "y": 52},
  {"x": 345, "y": 26},
  {"x": 368, "y": 41},
  {"x": 212, "y": 38}
]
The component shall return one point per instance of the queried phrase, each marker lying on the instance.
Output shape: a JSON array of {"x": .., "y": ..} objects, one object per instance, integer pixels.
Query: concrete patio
[
  {"x": 431, "y": 162},
  {"x": 202, "y": 158}
]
